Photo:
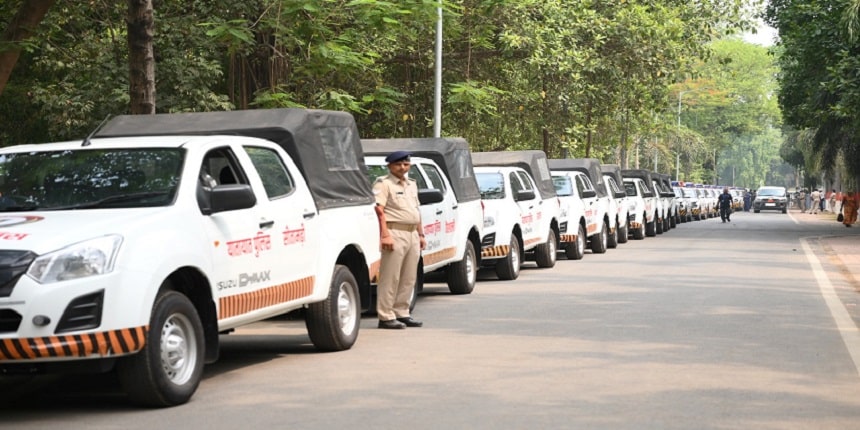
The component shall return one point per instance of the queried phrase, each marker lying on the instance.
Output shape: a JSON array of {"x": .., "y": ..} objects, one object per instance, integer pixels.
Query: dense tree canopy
[
  {"x": 819, "y": 86},
  {"x": 573, "y": 77}
]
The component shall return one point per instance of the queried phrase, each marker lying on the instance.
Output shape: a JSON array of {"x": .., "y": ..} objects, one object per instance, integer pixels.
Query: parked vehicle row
[{"x": 136, "y": 248}]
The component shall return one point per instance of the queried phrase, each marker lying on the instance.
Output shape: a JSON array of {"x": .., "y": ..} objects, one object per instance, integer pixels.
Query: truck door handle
[
  {"x": 455, "y": 207},
  {"x": 267, "y": 224},
  {"x": 309, "y": 215},
  {"x": 439, "y": 212}
]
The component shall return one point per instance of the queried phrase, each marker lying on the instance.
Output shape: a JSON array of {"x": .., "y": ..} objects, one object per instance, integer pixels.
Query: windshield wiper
[
  {"x": 19, "y": 208},
  {"x": 119, "y": 198}
]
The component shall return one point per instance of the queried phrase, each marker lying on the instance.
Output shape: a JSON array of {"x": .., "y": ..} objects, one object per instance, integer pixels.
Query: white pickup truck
[
  {"x": 601, "y": 227},
  {"x": 521, "y": 210},
  {"x": 453, "y": 225},
  {"x": 643, "y": 213},
  {"x": 136, "y": 248},
  {"x": 653, "y": 200},
  {"x": 614, "y": 182}
]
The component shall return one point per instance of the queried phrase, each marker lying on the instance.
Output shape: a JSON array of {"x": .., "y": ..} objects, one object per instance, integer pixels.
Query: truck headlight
[{"x": 87, "y": 258}]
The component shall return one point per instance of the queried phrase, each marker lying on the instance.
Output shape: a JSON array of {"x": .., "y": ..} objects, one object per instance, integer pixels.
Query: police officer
[
  {"x": 401, "y": 242},
  {"x": 725, "y": 203}
]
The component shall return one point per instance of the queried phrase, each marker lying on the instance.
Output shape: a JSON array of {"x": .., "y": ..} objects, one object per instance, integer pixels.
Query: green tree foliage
[
  {"x": 571, "y": 77},
  {"x": 820, "y": 89}
]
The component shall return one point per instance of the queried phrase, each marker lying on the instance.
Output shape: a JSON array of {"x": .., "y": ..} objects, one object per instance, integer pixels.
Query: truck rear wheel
[
  {"x": 576, "y": 250},
  {"x": 508, "y": 268},
  {"x": 167, "y": 371},
  {"x": 333, "y": 323},
  {"x": 546, "y": 254},
  {"x": 462, "y": 274}
]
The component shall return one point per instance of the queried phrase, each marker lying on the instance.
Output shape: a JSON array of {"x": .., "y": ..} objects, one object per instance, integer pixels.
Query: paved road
[{"x": 708, "y": 326}]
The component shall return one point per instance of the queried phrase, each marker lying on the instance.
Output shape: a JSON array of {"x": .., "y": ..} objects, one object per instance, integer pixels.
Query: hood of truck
[{"x": 46, "y": 231}]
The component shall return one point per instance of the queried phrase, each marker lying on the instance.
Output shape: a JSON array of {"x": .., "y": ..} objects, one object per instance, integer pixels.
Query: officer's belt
[{"x": 401, "y": 227}]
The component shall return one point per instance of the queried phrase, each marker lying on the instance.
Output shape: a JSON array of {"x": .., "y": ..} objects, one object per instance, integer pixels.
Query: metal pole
[
  {"x": 678, "y": 153},
  {"x": 437, "y": 105}
]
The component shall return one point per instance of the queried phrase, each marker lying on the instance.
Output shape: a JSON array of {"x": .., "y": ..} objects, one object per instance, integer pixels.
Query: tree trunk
[
  {"x": 141, "y": 58},
  {"x": 23, "y": 26}
]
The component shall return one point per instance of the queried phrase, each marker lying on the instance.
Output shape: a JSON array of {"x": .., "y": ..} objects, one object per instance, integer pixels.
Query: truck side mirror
[
  {"x": 587, "y": 194},
  {"x": 524, "y": 195},
  {"x": 229, "y": 197},
  {"x": 429, "y": 196}
]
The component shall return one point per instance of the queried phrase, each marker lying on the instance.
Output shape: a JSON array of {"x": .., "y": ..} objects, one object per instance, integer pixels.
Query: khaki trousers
[{"x": 397, "y": 275}]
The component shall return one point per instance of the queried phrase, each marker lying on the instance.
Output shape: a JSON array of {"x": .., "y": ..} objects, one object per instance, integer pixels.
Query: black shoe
[
  {"x": 409, "y": 322},
  {"x": 392, "y": 324}
]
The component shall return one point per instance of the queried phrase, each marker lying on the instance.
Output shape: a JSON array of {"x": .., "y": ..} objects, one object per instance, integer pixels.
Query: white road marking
[{"x": 847, "y": 329}]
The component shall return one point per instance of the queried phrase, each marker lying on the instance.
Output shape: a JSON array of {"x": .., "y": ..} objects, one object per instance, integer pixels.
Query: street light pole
[
  {"x": 437, "y": 102},
  {"x": 678, "y": 153}
]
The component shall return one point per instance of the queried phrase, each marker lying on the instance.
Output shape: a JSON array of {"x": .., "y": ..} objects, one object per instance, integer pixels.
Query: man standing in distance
[
  {"x": 725, "y": 204},
  {"x": 401, "y": 242}
]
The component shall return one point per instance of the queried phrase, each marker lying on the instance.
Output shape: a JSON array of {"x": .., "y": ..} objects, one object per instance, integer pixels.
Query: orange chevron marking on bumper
[
  {"x": 495, "y": 251},
  {"x": 101, "y": 344}
]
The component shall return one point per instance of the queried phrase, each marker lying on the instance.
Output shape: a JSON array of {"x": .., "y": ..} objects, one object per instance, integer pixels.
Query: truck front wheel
[
  {"x": 598, "y": 241},
  {"x": 462, "y": 274},
  {"x": 576, "y": 250},
  {"x": 612, "y": 238},
  {"x": 169, "y": 368},
  {"x": 333, "y": 323},
  {"x": 508, "y": 268},
  {"x": 546, "y": 253},
  {"x": 623, "y": 232}
]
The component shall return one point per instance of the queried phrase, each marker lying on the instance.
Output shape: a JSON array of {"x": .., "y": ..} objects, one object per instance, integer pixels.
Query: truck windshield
[
  {"x": 630, "y": 188},
  {"x": 492, "y": 185},
  {"x": 563, "y": 186},
  {"x": 89, "y": 178}
]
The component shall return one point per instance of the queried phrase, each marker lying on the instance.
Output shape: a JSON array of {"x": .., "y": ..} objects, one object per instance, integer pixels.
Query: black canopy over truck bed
[
  {"x": 642, "y": 174},
  {"x": 589, "y": 166},
  {"x": 450, "y": 153},
  {"x": 532, "y": 161},
  {"x": 325, "y": 145}
]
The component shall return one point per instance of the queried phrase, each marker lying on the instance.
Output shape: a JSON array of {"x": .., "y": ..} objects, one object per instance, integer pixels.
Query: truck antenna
[{"x": 86, "y": 141}]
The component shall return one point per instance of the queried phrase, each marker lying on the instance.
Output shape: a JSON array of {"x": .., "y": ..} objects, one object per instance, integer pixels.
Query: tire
[
  {"x": 623, "y": 232},
  {"x": 658, "y": 225},
  {"x": 419, "y": 287},
  {"x": 462, "y": 274},
  {"x": 756, "y": 211},
  {"x": 612, "y": 238},
  {"x": 650, "y": 228},
  {"x": 333, "y": 323},
  {"x": 508, "y": 268},
  {"x": 546, "y": 254},
  {"x": 673, "y": 221},
  {"x": 167, "y": 371},
  {"x": 576, "y": 250},
  {"x": 598, "y": 241}
]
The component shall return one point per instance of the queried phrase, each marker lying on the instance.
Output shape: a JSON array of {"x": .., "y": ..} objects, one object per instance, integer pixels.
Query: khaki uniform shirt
[{"x": 399, "y": 198}]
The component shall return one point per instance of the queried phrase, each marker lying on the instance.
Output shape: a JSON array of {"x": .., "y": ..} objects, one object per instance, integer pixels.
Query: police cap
[{"x": 397, "y": 156}]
